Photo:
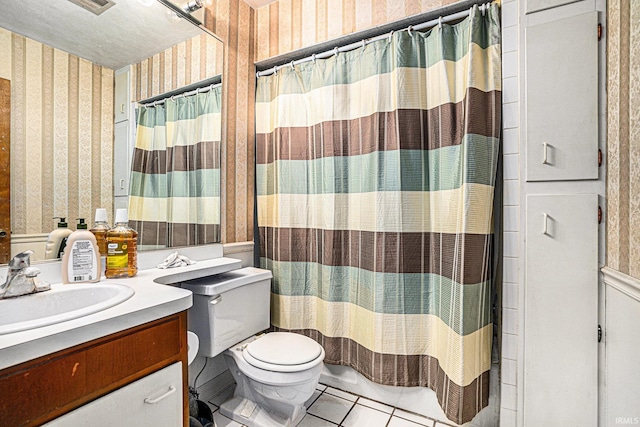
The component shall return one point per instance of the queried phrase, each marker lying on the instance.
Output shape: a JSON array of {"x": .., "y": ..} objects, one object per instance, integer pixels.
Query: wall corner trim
[{"x": 624, "y": 283}]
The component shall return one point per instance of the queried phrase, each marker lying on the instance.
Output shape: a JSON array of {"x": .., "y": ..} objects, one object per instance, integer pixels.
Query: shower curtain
[
  {"x": 375, "y": 182},
  {"x": 175, "y": 179}
]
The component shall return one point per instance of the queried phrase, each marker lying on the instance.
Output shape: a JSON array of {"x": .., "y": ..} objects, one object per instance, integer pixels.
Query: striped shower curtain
[
  {"x": 175, "y": 179},
  {"x": 375, "y": 179}
]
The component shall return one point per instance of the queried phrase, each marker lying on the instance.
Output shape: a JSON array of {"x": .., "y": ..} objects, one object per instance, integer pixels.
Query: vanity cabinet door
[{"x": 155, "y": 400}]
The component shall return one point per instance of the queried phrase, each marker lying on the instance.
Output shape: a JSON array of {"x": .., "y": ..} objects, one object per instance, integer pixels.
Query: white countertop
[{"x": 152, "y": 300}]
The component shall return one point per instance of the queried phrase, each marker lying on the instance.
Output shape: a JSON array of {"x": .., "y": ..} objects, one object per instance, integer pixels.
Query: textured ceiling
[{"x": 124, "y": 34}]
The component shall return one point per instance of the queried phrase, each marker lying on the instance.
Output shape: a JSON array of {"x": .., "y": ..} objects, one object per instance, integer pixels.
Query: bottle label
[
  {"x": 82, "y": 265},
  {"x": 117, "y": 255}
]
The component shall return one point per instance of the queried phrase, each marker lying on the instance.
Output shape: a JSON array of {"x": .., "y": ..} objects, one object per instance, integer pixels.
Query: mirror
[{"x": 74, "y": 75}]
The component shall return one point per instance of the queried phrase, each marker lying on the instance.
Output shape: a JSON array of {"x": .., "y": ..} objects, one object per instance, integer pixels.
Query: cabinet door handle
[
  {"x": 545, "y": 147},
  {"x": 153, "y": 401},
  {"x": 122, "y": 183},
  {"x": 545, "y": 220},
  {"x": 122, "y": 108}
]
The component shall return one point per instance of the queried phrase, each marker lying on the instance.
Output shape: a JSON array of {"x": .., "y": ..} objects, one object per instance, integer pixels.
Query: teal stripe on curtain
[
  {"x": 375, "y": 175},
  {"x": 404, "y": 170},
  {"x": 199, "y": 183},
  {"x": 407, "y": 293}
]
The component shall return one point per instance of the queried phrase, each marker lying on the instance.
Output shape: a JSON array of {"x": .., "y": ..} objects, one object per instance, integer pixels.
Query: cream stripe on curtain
[
  {"x": 375, "y": 178},
  {"x": 175, "y": 180}
]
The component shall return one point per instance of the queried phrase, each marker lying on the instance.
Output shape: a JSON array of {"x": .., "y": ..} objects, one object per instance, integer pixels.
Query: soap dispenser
[
  {"x": 57, "y": 240},
  {"x": 81, "y": 259}
]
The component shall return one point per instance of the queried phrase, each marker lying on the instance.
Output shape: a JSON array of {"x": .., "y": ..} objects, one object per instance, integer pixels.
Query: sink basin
[{"x": 61, "y": 303}]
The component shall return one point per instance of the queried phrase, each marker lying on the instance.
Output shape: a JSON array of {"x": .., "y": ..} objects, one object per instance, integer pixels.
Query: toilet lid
[{"x": 284, "y": 348}]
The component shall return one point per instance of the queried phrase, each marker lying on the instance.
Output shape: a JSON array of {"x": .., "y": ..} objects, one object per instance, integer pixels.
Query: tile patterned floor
[{"x": 330, "y": 407}]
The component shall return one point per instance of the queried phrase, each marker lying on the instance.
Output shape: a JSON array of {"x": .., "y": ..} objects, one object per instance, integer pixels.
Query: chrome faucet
[{"x": 21, "y": 278}]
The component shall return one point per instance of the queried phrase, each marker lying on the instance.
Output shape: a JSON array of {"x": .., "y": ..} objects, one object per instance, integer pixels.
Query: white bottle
[
  {"x": 81, "y": 259},
  {"x": 56, "y": 240}
]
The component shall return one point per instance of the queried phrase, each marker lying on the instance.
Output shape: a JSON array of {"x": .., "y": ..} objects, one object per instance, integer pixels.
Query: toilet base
[{"x": 246, "y": 412}]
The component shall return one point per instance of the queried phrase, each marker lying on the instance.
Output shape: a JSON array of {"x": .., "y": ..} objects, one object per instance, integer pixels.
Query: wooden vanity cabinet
[{"x": 37, "y": 391}]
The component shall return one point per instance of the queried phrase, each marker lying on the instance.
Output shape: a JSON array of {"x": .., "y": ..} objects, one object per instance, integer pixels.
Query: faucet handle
[
  {"x": 20, "y": 261},
  {"x": 31, "y": 272}
]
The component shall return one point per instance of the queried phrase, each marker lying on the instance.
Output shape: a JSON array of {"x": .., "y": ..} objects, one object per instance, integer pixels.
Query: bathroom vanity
[
  {"x": 44, "y": 388},
  {"x": 125, "y": 365}
]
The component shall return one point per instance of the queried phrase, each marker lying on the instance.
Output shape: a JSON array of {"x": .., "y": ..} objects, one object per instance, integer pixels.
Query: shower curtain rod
[
  {"x": 326, "y": 54},
  {"x": 199, "y": 87}
]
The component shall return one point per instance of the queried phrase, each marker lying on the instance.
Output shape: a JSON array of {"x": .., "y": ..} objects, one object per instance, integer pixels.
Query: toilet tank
[{"x": 229, "y": 307}]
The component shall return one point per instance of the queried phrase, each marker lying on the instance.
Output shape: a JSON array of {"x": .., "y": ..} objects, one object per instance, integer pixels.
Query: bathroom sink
[{"x": 61, "y": 303}]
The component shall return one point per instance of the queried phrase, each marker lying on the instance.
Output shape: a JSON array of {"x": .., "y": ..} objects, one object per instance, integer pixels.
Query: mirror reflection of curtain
[
  {"x": 175, "y": 179},
  {"x": 375, "y": 178}
]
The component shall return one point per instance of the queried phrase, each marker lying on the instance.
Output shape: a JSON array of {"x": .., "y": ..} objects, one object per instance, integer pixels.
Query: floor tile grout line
[
  {"x": 324, "y": 419},
  {"x": 353, "y": 405}
]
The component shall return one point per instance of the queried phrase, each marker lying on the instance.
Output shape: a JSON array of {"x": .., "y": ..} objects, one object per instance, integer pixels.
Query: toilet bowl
[
  {"x": 193, "y": 345},
  {"x": 275, "y": 373}
]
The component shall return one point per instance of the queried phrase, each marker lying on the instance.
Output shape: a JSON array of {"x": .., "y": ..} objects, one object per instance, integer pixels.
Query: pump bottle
[
  {"x": 57, "y": 240},
  {"x": 81, "y": 258}
]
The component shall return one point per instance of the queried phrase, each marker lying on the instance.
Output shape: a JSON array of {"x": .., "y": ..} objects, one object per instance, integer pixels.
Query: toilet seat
[{"x": 283, "y": 352}]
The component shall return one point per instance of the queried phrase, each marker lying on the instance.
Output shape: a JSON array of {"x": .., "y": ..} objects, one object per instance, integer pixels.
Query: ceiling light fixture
[
  {"x": 184, "y": 11},
  {"x": 193, "y": 5}
]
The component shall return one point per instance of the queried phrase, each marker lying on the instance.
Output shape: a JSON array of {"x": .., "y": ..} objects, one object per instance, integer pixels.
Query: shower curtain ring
[
  {"x": 364, "y": 43},
  {"x": 440, "y": 22},
  {"x": 390, "y": 35},
  {"x": 293, "y": 66},
  {"x": 410, "y": 30},
  {"x": 336, "y": 51},
  {"x": 313, "y": 58}
]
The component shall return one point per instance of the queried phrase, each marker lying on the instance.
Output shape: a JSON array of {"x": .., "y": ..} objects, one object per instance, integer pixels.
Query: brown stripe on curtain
[
  {"x": 156, "y": 233},
  {"x": 456, "y": 256},
  {"x": 458, "y": 402},
  {"x": 203, "y": 155},
  {"x": 405, "y": 129}
]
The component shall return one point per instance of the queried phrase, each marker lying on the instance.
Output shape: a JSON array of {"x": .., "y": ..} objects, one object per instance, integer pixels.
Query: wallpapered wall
[
  {"x": 188, "y": 62},
  {"x": 623, "y": 137},
  {"x": 233, "y": 22},
  {"x": 62, "y": 107},
  {"x": 288, "y": 25}
]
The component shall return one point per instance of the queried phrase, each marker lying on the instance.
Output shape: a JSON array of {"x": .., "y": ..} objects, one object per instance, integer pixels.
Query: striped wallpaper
[
  {"x": 61, "y": 134},
  {"x": 233, "y": 22},
  {"x": 185, "y": 63},
  {"x": 287, "y": 25},
  {"x": 623, "y": 137}
]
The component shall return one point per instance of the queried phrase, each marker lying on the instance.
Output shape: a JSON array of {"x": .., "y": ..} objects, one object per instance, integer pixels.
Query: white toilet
[{"x": 275, "y": 373}]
